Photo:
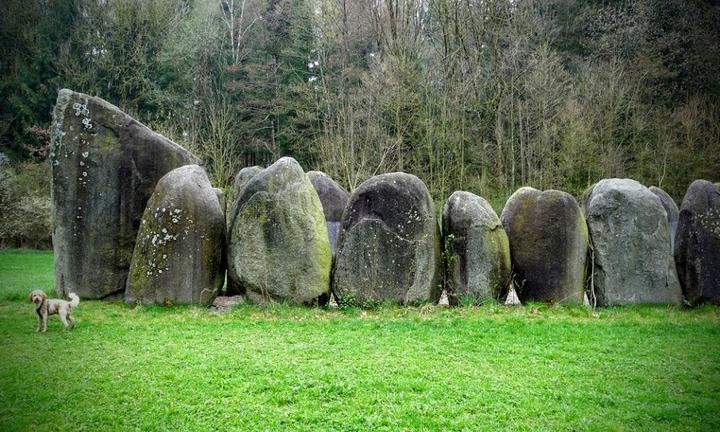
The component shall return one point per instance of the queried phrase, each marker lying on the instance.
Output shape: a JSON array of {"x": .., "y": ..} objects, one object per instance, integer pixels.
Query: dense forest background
[{"x": 479, "y": 95}]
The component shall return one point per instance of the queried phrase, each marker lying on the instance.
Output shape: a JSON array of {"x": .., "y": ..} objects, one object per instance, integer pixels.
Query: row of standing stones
[{"x": 136, "y": 218}]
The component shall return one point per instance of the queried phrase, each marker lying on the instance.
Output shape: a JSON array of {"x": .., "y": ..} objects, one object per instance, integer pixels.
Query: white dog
[{"x": 45, "y": 307}]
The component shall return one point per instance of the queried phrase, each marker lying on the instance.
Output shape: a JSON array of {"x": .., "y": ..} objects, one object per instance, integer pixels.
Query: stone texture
[
  {"x": 671, "y": 209},
  {"x": 225, "y": 303},
  {"x": 242, "y": 178},
  {"x": 221, "y": 199},
  {"x": 279, "y": 248},
  {"x": 631, "y": 242},
  {"x": 105, "y": 166},
  {"x": 548, "y": 245},
  {"x": 178, "y": 255},
  {"x": 476, "y": 250},
  {"x": 389, "y": 248},
  {"x": 334, "y": 198},
  {"x": 697, "y": 245}
]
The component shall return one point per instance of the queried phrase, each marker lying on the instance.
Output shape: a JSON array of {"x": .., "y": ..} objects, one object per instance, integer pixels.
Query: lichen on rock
[
  {"x": 279, "y": 248},
  {"x": 105, "y": 166},
  {"x": 178, "y": 256}
]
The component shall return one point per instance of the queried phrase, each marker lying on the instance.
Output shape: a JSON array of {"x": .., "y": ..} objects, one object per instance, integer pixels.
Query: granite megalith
[
  {"x": 279, "y": 248},
  {"x": 476, "y": 250},
  {"x": 105, "y": 166},
  {"x": 632, "y": 259},
  {"x": 178, "y": 255},
  {"x": 389, "y": 245},
  {"x": 673, "y": 213},
  {"x": 334, "y": 198},
  {"x": 697, "y": 245},
  {"x": 548, "y": 245}
]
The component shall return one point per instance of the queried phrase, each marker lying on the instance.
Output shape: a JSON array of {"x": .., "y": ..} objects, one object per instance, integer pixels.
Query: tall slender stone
[{"x": 105, "y": 166}]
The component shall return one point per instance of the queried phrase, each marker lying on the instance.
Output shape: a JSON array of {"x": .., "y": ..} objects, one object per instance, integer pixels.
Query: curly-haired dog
[{"x": 45, "y": 307}]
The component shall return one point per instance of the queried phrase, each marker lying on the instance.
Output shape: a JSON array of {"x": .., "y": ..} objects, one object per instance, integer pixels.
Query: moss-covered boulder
[
  {"x": 178, "y": 255},
  {"x": 242, "y": 178},
  {"x": 548, "y": 245},
  {"x": 631, "y": 245},
  {"x": 697, "y": 245},
  {"x": 105, "y": 166},
  {"x": 389, "y": 248},
  {"x": 476, "y": 250},
  {"x": 334, "y": 198},
  {"x": 671, "y": 210},
  {"x": 279, "y": 248}
]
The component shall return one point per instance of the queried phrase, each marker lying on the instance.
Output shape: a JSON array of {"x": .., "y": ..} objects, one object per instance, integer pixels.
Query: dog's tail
[{"x": 74, "y": 299}]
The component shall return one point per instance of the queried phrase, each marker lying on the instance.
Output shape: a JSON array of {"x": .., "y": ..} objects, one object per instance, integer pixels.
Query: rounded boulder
[
  {"x": 279, "y": 248},
  {"x": 476, "y": 250},
  {"x": 389, "y": 248},
  {"x": 178, "y": 255},
  {"x": 548, "y": 245},
  {"x": 697, "y": 245},
  {"x": 632, "y": 258}
]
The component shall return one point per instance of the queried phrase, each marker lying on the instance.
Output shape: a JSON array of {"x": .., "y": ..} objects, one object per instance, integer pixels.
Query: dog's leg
[
  {"x": 39, "y": 320},
  {"x": 63, "y": 317},
  {"x": 71, "y": 320},
  {"x": 45, "y": 320}
]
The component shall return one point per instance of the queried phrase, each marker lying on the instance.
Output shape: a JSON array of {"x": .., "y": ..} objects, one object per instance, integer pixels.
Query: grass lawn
[{"x": 391, "y": 368}]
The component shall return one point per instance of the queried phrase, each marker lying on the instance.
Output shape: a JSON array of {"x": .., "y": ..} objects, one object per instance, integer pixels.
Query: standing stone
[
  {"x": 631, "y": 243},
  {"x": 672, "y": 212},
  {"x": 548, "y": 245},
  {"x": 477, "y": 252},
  {"x": 242, "y": 178},
  {"x": 389, "y": 246},
  {"x": 697, "y": 245},
  {"x": 105, "y": 165},
  {"x": 334, "y": 198},
  {"x": 279, "y": 247},
  {"x": 178, "y": 255}
]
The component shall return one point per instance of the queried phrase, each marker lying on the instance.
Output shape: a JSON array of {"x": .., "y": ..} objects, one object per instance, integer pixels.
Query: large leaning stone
[
  {"x": 477, "y": 252},
  {"x": 671, "y": 209},
  {"x": 389, "y": 247},
  {"x": 279, "y": 248},
  {"x": 105, "y": 166},
  {"x": 242, "y": 178},
  {"x": 548, "y": 245},
  {"x": 631, "y": 244},
  {"x": 697, "y": 245},
  {"x": 178, "y": 255},
  {"x": 334, "y": 198}
]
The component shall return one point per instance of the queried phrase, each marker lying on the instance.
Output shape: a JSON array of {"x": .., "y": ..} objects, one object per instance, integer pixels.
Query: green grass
[
  {"x": 22, "y": 271},
  {"x": 291, "y": 368}
]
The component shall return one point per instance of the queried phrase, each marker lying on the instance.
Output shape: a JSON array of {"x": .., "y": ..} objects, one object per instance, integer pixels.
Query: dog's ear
[
  {"x": 44, "y": 296},
  {"x": 30, "y": 296}
]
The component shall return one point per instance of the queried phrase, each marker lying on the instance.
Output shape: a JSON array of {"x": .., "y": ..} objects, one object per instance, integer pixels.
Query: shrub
[{"x": 26, "y": 206}]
